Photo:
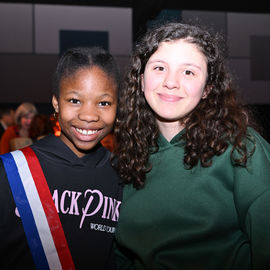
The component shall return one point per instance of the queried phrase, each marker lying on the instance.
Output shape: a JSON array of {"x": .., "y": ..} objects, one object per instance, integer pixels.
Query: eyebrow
[
  {"x": 154, "y": 61},
  {"x": 182, "y": 64},
  {"x": 193, "y": 65},
  {"x": 106, "y": 95},
  {"x": 75, "y": 92}
]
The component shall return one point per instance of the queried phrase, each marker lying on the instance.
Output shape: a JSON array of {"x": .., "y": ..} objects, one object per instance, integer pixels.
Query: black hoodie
[{"x": 87, "y": 193}]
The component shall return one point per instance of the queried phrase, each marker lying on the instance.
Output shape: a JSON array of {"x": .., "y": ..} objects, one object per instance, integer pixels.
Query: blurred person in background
[
  {"x": 40, "y": 127},
  {"x": 6, "y": 119},
  {"x": 17, "y": 136},
  {"x": 109, "y": 142}
]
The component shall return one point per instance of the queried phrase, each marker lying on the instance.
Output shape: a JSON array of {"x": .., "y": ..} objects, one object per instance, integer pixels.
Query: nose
[
  {"x": 28, "y": 120},
  {"x": 171, "y": 80},
  {"x": 88, "y": 113}
]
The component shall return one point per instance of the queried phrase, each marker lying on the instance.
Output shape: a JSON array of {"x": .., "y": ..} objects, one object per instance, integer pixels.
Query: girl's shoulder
[
  {"x": 12, "y": 130},
  {"x": 256, "y": 147},
  {"x": 255, "y": 138},
  {"x": 258, "y": 151}
]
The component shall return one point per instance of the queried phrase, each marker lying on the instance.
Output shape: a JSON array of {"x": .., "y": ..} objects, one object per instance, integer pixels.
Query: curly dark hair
[{"x": 216, "y": 122}]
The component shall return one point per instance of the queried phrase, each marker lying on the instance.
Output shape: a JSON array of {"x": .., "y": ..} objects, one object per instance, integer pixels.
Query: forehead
[
  {"x": 180, "y": 49},
  {"x": 91, "y": 71},
  {"x": 92, "y": 79}
]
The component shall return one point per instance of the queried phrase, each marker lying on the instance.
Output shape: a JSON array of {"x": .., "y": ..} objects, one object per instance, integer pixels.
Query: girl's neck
[{"x": 169, "y": 129}]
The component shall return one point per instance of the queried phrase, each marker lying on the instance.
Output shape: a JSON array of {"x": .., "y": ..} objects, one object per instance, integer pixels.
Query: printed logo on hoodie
[{"x": 89, "y": 203}]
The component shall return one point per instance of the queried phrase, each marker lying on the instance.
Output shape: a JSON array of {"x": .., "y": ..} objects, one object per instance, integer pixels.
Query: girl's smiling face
[
  {"x": 174, "y": 81},
  {"x": 87, "y": 108}
]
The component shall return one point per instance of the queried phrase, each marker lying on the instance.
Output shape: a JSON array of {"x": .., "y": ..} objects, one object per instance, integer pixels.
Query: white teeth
[{"x": 86, "y": 132}]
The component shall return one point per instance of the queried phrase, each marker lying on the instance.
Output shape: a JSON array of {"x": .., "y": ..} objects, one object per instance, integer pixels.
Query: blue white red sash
[{"x": 40, "y": 219}]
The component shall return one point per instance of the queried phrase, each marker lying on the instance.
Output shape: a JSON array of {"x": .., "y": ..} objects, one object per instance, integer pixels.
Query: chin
[
  {"x": 86, "y": 148},
  {"x": 169, "y": 118}
]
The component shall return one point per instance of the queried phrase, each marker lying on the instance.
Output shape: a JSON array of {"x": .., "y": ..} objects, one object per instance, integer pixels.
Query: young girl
[
  {"x": 198, "y": 177},
  {"x": 82, "y": 186}
]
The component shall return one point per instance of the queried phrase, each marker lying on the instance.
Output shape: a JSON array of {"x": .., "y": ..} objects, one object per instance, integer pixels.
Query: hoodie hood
[{"x": 54, "y": 149}]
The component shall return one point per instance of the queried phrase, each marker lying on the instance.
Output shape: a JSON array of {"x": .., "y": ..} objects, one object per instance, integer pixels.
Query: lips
[{"x": 169, "y": 98}]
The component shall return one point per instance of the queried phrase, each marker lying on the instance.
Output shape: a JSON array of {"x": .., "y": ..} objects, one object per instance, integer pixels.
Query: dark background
[{"x": 143, "y": 11}]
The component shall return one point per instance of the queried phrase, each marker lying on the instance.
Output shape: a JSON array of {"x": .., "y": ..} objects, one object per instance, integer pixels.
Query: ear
[
  {"x": 55, "y": 104},
  {"x": 206, "y": 91},
  {"x": 142, "y": 82}
]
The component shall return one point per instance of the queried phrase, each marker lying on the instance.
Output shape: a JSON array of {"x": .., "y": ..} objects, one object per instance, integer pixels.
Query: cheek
[
  {"x": 66, "y": 111},
  {"x": 109, "y": 117},
  {"x": 22, "y": 122},
  {"x": 64, "y": 117},
  {"x": 195, "y": 89},
  {"x": 25, "y": 122},
  {"x": 150, "y": 82}
]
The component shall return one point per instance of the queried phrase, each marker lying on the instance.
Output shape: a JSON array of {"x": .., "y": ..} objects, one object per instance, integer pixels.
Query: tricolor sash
[{"x": 40, "y": 219}]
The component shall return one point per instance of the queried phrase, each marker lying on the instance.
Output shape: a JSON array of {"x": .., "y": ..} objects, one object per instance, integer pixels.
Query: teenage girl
[
  {"x": 82, "y": 185},
  {"x": 197, "y": 192}
]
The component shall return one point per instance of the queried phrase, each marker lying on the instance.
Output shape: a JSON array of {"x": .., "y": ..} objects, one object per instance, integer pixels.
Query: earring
[{"x": 55, "y": 115}]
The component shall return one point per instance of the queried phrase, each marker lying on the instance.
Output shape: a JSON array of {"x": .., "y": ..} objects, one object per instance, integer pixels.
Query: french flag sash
[{"x": 40, "y": 219}]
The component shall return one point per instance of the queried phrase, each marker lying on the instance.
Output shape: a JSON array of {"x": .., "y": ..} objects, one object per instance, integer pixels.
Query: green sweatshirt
[{"x": 211, "y": 218}]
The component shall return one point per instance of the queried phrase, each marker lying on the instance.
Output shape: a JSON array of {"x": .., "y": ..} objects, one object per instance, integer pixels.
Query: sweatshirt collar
[
  {"x": 176, "y": 140},
  {"x": 54, "y": 148}
]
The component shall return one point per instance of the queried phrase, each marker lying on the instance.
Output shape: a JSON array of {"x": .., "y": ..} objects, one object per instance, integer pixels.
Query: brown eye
[
  {"x": 74, "y": 100},
  {"x": 159, "y": 68},
  {"x": 104, "y": 103},
  {"x": 188, "y": 72}
]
